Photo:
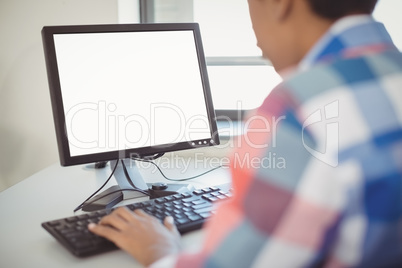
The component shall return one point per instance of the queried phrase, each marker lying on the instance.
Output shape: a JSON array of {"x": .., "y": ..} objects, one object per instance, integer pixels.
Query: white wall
[{"x": 27, "y": 139}]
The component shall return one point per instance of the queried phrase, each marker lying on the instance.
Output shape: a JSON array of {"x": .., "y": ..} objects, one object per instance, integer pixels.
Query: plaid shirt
[{"x": 317, "y": 176}]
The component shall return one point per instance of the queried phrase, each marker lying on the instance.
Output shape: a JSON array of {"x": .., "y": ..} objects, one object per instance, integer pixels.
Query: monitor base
[{"x": 106, "y": 200}]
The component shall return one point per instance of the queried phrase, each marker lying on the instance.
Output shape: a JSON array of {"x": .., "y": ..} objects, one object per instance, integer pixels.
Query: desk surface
[{"x": 53, "y": 193}]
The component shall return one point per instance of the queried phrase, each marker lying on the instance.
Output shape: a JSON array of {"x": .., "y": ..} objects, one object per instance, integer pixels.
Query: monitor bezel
[{"x": 57, "y": 101}]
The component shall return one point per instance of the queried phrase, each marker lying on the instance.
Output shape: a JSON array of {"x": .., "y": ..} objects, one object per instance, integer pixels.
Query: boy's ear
[{"x": 282, "y": 8}]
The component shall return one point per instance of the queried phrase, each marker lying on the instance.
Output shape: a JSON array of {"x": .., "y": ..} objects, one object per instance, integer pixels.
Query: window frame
[{"x": 147, "y": 15}]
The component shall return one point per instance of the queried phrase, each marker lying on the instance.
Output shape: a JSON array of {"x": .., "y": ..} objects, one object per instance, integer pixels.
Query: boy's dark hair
[{"x": 335, "y": 9}]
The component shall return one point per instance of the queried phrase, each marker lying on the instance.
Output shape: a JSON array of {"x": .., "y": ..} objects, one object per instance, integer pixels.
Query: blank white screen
[{"x": 130, "y": 90}]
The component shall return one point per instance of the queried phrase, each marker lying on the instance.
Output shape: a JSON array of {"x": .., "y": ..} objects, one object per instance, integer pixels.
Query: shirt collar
[{"x": 348, "y": 33}]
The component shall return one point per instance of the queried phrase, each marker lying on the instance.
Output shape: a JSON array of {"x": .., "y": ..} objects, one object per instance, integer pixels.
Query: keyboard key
[
  {"x": 182, "y": 221},
  {"x": 205, "y": 215},
  {"x": 206, "y": 190},
  {"x": 198, "y": 192},
  {"x": 72, "y": 219},
  {"x": 185, "y": 195},
  {"x": 212, "y": 199},
  {"x": 169, "y": 198},
  {"x": 202, "y": 205},
  {"x": 54, "y": 223},
  {"x": 197, "y": 202},
  {"x": 203, "y": 210},
  {"x": 194, "y": 218}
]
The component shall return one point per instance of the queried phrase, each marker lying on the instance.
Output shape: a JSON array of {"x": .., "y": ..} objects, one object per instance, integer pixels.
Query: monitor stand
[{"x": 129, "y": 179}]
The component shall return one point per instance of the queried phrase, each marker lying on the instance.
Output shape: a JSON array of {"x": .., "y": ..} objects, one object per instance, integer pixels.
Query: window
[
  {"x": 240, "y": 79},
  {"x": 388, "y": 12}
]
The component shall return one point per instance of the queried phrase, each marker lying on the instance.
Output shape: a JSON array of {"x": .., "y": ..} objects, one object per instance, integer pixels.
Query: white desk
[{"x": 53, "y": 193}]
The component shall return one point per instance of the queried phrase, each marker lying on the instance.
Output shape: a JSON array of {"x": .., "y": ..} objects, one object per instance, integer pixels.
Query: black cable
[
  {"x": 185, "y": 179},
  {"x": 82, "y": 204},
  {"x": 128, "y": 175}
]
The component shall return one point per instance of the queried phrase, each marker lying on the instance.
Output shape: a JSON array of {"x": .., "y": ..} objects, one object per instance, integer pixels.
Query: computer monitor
[{"x": 128, "y": 91}]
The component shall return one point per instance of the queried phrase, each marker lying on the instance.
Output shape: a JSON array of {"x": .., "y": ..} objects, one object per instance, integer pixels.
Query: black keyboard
[{"x": 190, "y": 210}]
